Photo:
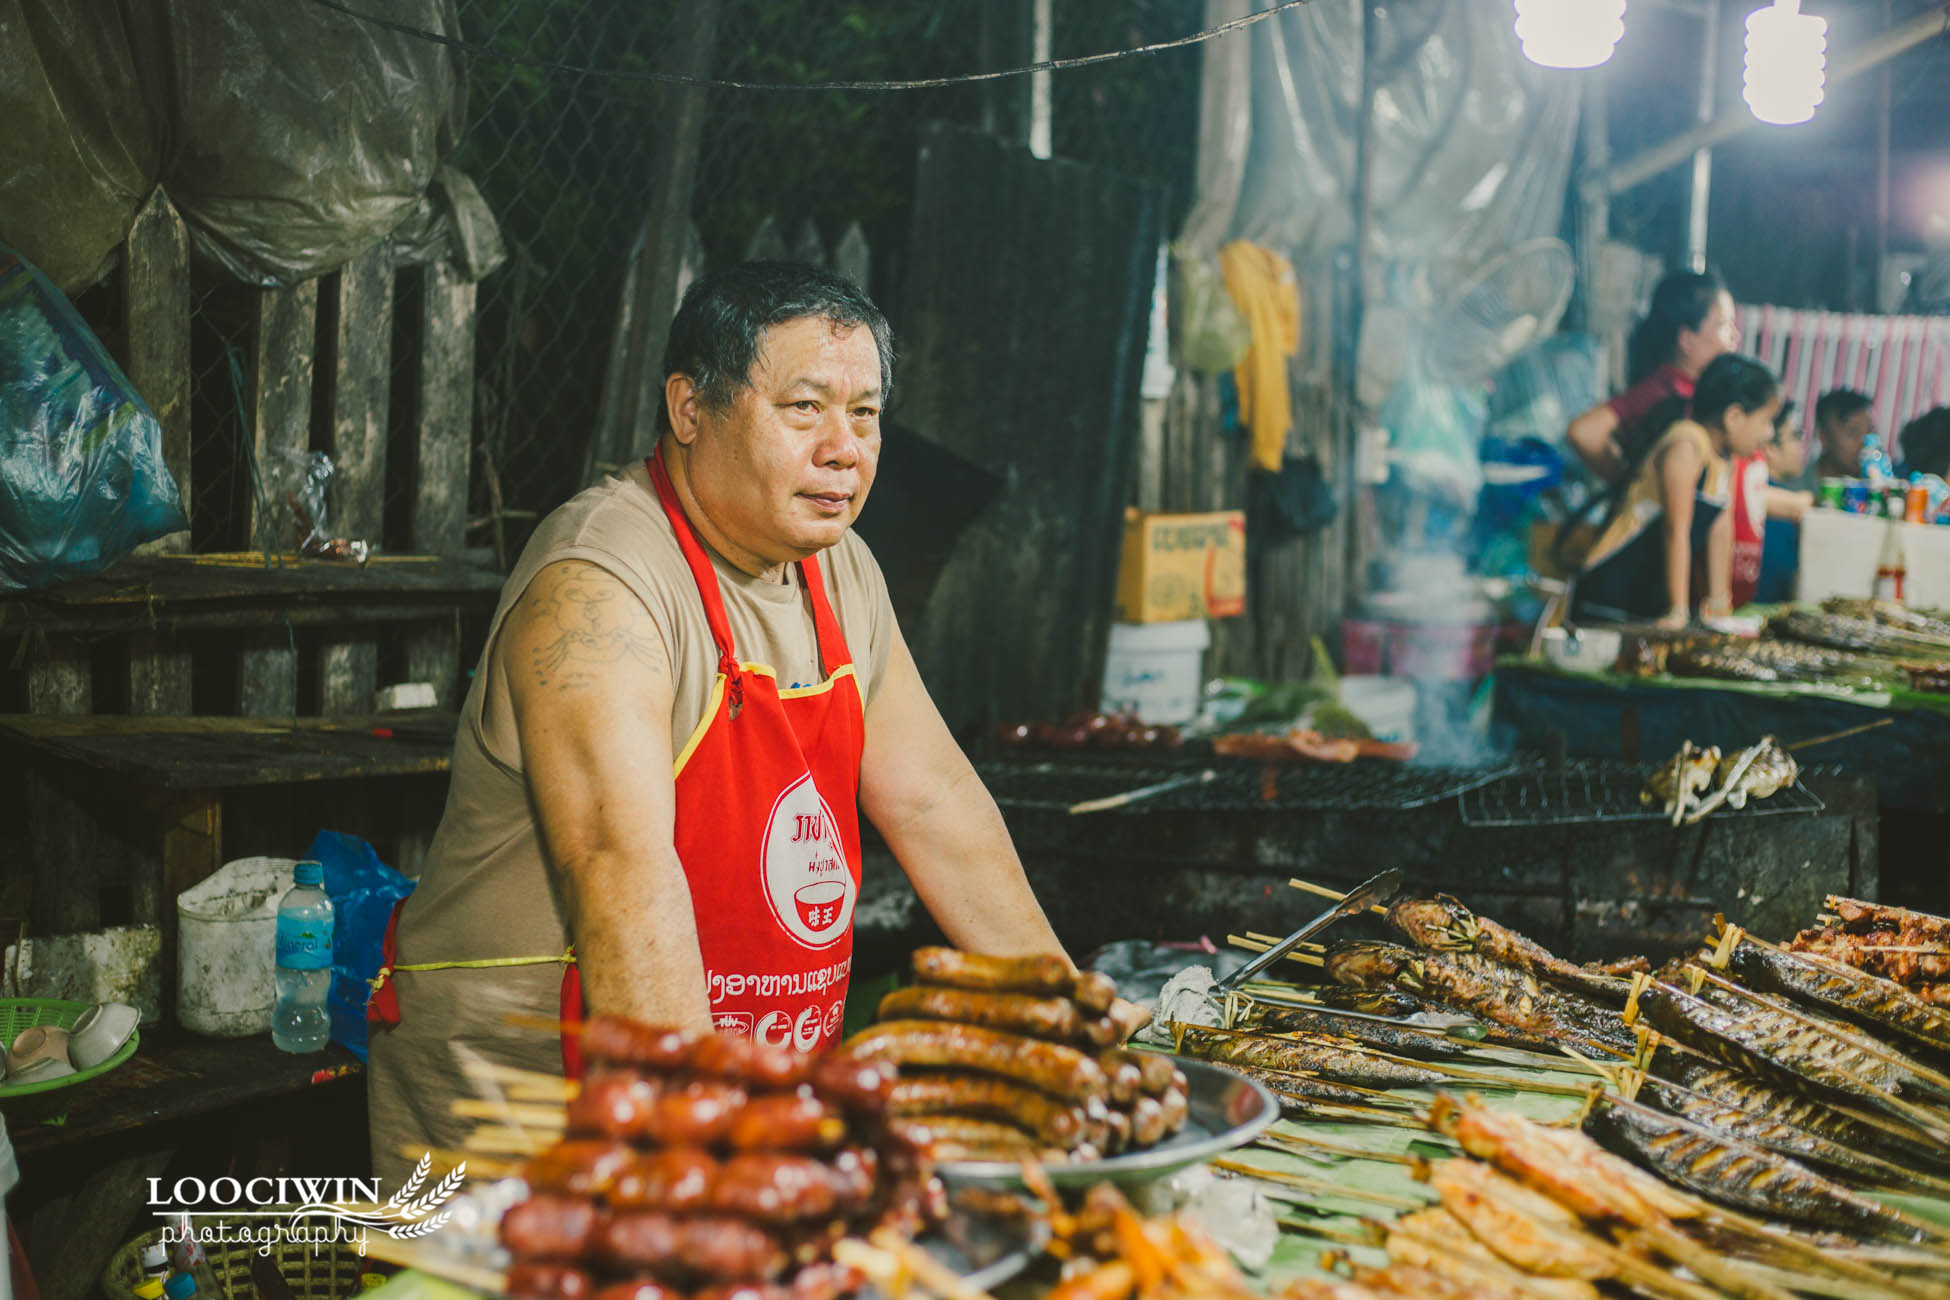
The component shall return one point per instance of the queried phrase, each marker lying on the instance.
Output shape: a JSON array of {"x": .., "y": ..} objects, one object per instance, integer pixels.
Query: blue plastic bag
[
  {"x": 363, "y": 891},
  {"x": 82, "y": 479}
]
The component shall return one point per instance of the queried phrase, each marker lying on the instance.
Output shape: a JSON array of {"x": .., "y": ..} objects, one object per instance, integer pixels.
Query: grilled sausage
[
  {"x": 972, "y": 1094},
  {"x": 820, "y": 1281},
  {"x": 1014, "y": 1013},
  {"x": 1095, "y": 992},
  {"x": 786, "y": 1122},
  {"x": 966, "y": 1130},
  {"x": 639, "y": 1289},
  {"x": 1147, "y": 1122},
  {"x": 714, "y": 1247},
  {"x": 855, "y": 1173},
  {"x": 618, "y": 1041},
  {"x": 1044, "y": 974},
  {"x": 1176, "y": 1104},
  {"x": 859, "y": 1087},
  {"x": 750, "y": 1060},
  {"x": 550, "y": 1226},
  {"x": 771, "y": 1188},
  {"x": 674, "y": 1179},
  {"x": 1155, "y": 1069},
  {"x": 1126, "y": 1080},
  {"x": 578, "y": 1166},
  {"x": 1119, "y": 1123},
  {"x": 697, "y": 1114},
  {"x": 537, "y": 1280},
  {"x": 612, "y": 1104},
  {"x": 1058, "y": 1070}
]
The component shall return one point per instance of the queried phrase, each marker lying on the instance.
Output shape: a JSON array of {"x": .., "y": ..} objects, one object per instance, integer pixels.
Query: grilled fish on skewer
[
  {"x": 1738, "y": 1173},
  {"x": 1484, "y": 988},
  {"x": 1525, "y": 1228},
  {"x": 1837, "y": 988},
  {"x": 1317, "y": 1056},
  {"x": 1767, "y": 1102},
  {"x": 1280, "y": 1018},
  {"x": 1444, "y": 924},
  {"x": 1435, "y": 1239}
]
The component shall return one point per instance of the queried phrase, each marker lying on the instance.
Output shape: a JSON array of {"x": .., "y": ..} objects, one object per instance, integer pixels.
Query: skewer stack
[
  {"x": 1910, "y": 948},
  {"x": 712, "y": 1167},
  {"x": 1003, "y": 1058}
]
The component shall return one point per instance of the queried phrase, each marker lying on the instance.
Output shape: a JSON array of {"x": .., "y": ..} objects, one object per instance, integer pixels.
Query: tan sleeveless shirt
[{"x": 485, "y": 889}]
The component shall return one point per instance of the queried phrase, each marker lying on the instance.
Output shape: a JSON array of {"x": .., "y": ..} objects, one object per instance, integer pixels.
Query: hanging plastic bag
[
  {"x": 1212, "y": 336},
  {"x": 82, "y": 478},
  {"x": 1434, "y": 429},
  {"x": 363, "y": 891}
]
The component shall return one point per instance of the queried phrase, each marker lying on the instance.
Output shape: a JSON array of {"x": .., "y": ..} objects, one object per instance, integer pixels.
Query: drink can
[
  {"x": 1895, "y": 501},
  {"x": 1855, "y": 496},
  {"x": 1829, "y": 493},
  {"x": 1917, "y": 508}
]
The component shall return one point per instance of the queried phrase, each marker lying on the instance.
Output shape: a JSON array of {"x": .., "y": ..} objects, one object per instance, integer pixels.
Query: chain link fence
[{"x": 565, "y": 162}]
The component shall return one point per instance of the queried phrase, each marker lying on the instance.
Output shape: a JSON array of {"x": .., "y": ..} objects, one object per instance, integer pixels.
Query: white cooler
[{"x": 1839, "y": 553}]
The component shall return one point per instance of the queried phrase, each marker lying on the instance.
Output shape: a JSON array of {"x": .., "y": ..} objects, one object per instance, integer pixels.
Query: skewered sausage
[
  {"x": 1120, "y": 1130},
  {"x": 1155, "y": 1070},
  {"x": 578, "y": 1166},
  {"x": 1126, "y": 1080},
  {"x": 1015, "y": 1013},
  {"x": 640, "y": 1289},
  {"x": 774, "y": 1188},
  {"x": 1095, "y": 992},
  {"x": 698, "y": 1114},
  {"x": 966, "y": 1130},
  {"x": 1045, "y": 974},
  {"x": 612, "y": 1103},
  {"x": 673, "y": 1179},
  {"x": 626, "y": 1042},
  {"x": 1061, "y": 1071},
  {"x": 814, "y": 1282},
  {"x": 1176, "y": 1104},
  {"x": 539, "y": 1280},
  {"x": 855, "y": 1173},
  {"x": 558, "y": 1227},
  {"x": 715, "y": 1247},
  {"x": 786, "y": 1122},
  {"x": 1147, "y": 1122},
  {"x": 750, "y": 1060},
  {"x": 857, "y": 1086},
  {"x": 1049, "y": 1119}
]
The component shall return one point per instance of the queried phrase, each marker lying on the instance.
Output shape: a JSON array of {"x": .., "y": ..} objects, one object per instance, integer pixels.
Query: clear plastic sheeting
[
  {"x": 1472, "y": 143},
  {"x": 290, "y": 137}
]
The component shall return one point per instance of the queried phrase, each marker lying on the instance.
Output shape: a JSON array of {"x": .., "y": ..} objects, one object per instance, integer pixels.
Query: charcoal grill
[
  {"x": 1584, "y": 791},
  {"x": 1057, "y": 782}
]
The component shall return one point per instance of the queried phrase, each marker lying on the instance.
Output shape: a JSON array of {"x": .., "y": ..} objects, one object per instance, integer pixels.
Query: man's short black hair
[
  {"x": 715, "y": 335},
  {"x": 1838, "y": 404},
  {"x": 1925, "y": 443}
]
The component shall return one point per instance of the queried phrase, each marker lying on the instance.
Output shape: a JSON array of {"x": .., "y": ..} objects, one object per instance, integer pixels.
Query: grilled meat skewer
[
  {"x": 1316, "y": 1056},
  {"x": 1736, "y": 1172},
  {"x": 1854, "y": 913},
  {"x": 1444, "y": 924},
  {"x": 1912, "y": 956},
  {"x": 1839, "y": 989}
]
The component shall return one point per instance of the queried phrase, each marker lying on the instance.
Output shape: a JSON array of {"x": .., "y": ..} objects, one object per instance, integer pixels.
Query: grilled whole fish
[
  {"x": 1394, "y": 1004},
  {"x": 1444, "y": 924},
  {"x": 1784, "y": 1049},
  {"x": 1783, "y": 1138},
  {"x": 1766, "y": 1102},
  {"x": 1738, "y": 1173},
  {"x": 1486, "y": 989},
  {"x": 1841, "y": 989},
  {"x": 1314, "y": 1055},
  {"x": 1295, "y": 1091},
  {"x": 1430, "y": 1044}
]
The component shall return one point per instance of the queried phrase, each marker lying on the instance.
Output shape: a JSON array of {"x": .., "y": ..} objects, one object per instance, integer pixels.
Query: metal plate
[
  {"x": 983, "y": 1250},
  {"x": 1227, "y": 1110}
]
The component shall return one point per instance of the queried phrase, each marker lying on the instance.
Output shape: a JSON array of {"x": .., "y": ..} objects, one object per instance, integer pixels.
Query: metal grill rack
[
  {"x": 1596, "y": 791},
  {"x": 1047, "y": 782}
]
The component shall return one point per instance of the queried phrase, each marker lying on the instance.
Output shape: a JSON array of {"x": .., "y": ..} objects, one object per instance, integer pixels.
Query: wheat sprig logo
[{"x": 409, "y": 1212}]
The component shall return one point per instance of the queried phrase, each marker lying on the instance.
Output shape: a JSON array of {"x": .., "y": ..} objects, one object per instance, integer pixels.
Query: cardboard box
[{"x": 1182, "y": 566}]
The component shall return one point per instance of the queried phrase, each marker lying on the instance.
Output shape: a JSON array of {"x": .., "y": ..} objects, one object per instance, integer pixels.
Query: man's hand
[
  {"x": 920, "y": 791},
  {"x": 589, "y": 679}
]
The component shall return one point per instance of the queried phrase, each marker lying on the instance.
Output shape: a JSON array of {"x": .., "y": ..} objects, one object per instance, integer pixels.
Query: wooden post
[
  {"x": 358, "y": 308},
  {"x": 283, "y": 344},
  {"x": 444, "y": 407},
  {"x": 155, "y": 349}
]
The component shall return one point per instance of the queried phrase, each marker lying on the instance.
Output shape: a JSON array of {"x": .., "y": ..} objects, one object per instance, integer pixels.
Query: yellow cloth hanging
[{"x": 1264, "y": 290}]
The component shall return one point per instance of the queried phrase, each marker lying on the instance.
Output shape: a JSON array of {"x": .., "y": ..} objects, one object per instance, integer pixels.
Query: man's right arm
[{"x": 591, "y": 685}]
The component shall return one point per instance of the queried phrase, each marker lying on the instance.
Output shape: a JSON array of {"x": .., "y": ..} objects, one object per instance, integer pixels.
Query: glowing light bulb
[
  {"x": 1787, "y": 63},
  {"x": 1569, "y": 33}
]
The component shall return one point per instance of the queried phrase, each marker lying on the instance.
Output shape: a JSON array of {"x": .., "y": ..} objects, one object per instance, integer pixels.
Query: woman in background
[
  {"x": 1689, "y": 323},
  {"x": 1671, "y": 525}
]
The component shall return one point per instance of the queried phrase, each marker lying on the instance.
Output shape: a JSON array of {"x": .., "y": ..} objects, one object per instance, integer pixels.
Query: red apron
[{"x": 767, "y": 829}]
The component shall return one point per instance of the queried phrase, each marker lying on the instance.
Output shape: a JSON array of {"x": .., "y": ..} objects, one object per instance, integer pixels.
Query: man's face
[
  {"x": 783, "y": 471},
  {"x": 1841, "y": 442}
]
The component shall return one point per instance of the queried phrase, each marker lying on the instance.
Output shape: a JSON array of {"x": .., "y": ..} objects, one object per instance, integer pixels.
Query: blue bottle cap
[
  {"x": 180, "y": 1286},
  {"x": 309, "y": 873}
]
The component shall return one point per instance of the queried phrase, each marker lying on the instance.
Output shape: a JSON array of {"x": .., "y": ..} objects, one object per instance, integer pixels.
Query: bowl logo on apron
[{"x": 806, "y": 878}]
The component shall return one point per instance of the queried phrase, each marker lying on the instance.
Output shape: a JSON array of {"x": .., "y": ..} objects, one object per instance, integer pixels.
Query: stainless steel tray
[{"x": 1227, "y": 1110}]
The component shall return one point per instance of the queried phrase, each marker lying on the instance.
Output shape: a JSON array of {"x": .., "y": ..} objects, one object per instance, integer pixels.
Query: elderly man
[{"x": 692, "y": 684}]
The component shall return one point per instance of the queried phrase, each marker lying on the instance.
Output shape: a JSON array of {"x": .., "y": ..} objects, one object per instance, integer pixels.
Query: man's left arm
[{"x": 923, "y": 795}]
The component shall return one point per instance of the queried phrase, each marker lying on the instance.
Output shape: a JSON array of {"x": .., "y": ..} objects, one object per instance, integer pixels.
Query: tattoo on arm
[{"x": 587, "y": 622}]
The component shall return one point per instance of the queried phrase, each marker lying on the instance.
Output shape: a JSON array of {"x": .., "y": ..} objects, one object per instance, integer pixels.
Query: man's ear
[{"x": 681, "y": 400}]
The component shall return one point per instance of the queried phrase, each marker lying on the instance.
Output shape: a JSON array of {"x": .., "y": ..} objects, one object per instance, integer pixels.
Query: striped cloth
[{"x": 1901, "y": 362}]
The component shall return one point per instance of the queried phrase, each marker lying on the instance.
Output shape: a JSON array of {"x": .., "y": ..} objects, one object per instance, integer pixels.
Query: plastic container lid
[
  {"x": 308, "y": 873},
  {"x": 180, "y": 1286},
  {"x": 155, "y": 1259}
]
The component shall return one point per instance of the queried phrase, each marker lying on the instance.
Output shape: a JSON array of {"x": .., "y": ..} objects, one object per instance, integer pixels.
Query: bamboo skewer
[
  {"x": 1301, "y": 1145},
  {"x": 1838, "y": 735},
  {"x": 1270, "y": 939},
  {"x": 544, "y": 1086},
  {"x": 1240, "y": 941},
  {"x": 514, "y": 1114},
  {"x": 500, "y": 1140},
  {"x": 1300, "y": 1182},
  {"x": 1479, "y": 1077},
  {"x": 1336, "y": 894}
]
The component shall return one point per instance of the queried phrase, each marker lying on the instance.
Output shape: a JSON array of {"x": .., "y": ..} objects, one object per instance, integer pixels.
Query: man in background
[{"x": 1843, "y": 422}]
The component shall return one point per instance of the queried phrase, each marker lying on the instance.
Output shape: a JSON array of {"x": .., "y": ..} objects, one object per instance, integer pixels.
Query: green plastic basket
[
  {"x": 314, "y": 1271},
  {"x": 17, "y": 1014}
]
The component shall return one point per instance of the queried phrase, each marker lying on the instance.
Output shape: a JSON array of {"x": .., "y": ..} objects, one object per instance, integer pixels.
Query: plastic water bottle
[
  {"x": 1875, "y": 463},
  {"x": 301, "y": 1022}
]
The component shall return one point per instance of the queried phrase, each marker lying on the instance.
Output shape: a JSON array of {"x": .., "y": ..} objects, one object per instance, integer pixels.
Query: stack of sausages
[
  {"x": 712, "y": 1168},
  {"x": 1006, "y": 1057}
]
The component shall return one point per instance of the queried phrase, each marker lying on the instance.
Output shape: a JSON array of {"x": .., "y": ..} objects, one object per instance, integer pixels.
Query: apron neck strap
[{"x": 701, "y": 571}]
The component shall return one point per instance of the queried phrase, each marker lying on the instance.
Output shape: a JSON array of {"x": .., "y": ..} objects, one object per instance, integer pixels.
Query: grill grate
[
  {"x": 1589, "y": 790},
  {"x": 1046, "y": 782}
]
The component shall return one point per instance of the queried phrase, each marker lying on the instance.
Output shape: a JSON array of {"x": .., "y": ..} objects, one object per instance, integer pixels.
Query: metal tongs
[{"x": 1375, "y": 889}]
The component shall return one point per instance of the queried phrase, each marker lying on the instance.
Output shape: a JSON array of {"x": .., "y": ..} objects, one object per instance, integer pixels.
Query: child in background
[
  {"x": 1787, "y": 466},
  {"x": 1670, "y": 524}
]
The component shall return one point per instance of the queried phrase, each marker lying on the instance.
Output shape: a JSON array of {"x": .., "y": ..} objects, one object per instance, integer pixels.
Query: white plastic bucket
[
  {"x": 226, "y": 954},
  {"x": 1386, "y": 704},
  {"x": 1155, "y": 670}
]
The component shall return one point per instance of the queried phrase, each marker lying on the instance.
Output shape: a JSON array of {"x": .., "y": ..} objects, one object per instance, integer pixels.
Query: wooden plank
[
  {"x": 444, "y": 407},
  {"x": 359, "y": 307},
  {"x": 66, "y": 845},
  {"x": 156, "y": 583},
  {"x": 58, "y": 677},
  {"x": 284, "y": 331}
]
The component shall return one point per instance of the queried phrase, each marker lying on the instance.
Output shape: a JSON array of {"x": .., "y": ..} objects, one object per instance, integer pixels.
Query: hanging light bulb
[
  {"x": 1569, "y": 33},
  {"x": 1787, "y": 62}
]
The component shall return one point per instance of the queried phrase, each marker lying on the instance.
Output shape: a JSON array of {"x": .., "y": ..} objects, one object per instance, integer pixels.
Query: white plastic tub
[
  {"x": 1386, "y": 704},
  {"x": 1156, "y": 670},
  {"x": 226, "y": 964}
]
